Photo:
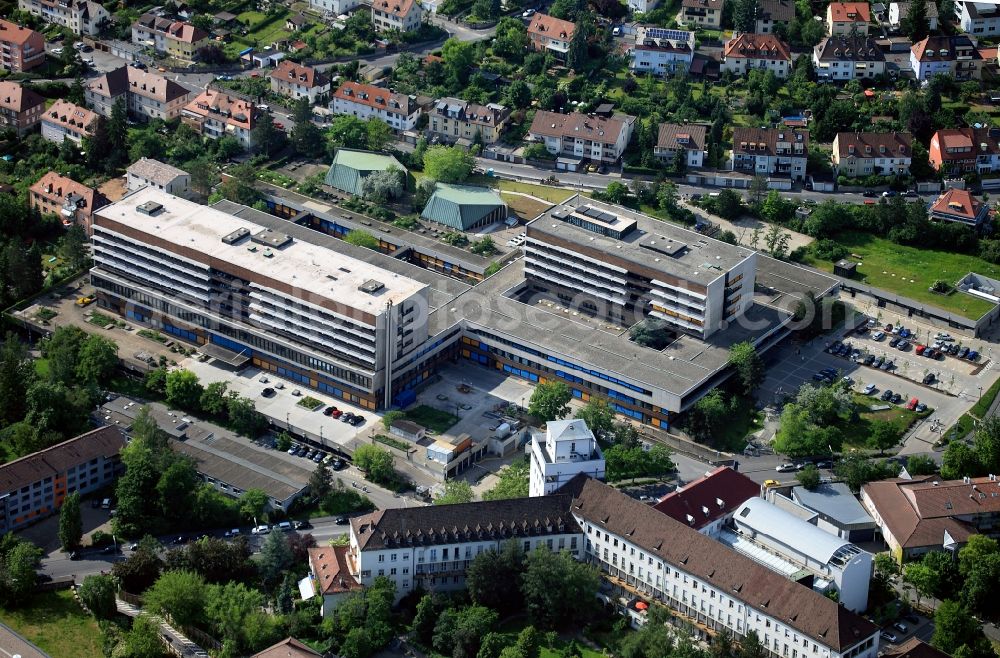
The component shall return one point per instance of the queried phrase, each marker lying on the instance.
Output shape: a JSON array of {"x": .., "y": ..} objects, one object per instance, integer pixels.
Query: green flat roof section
[
  {"x": 349, "y": 168},
  {"x": 462, "y": 206}
]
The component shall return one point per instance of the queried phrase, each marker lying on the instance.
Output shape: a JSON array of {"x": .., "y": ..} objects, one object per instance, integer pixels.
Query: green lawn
[
  {"x": 524, "y": 207},
  {"x": 550, "y": 194},
  {"x": 431, "y": 418},
  {"x": 745, "y": 421},
  {"x": 268, "y": 34},
  {"x": 910, "y": 272},
  {"x": 982, "y": 405},
  {"x": 42, "y": 368},
  {"x": 856, "y": 432},
  {"x": 57, "y": 624}
]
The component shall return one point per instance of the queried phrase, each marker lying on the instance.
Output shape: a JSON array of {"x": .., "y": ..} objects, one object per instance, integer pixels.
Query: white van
[
  {"x": 285, "y": 526},
  {"x": 261, "y": 530}
]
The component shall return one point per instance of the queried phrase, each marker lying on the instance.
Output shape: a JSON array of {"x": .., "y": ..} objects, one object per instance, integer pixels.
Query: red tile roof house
[
  {"x": 847, "y": 17},
  {"x": 214, "y": 114},
  {"x": 599, "y": 138},
  {"x": 64, "y": 120},
  {"x": 548, "y": 33},
  {"x": 20, "y": 109},
  {"x": 297, "y": 80},
  {"x": 747, "y": 52},
  {"x": 707, "y": 503},
  {"x": 923, "y": 514},
  {"x": 958, "y": 151},
  {"x": 71, "y": 201},
  {"x": 331, "y": 575},
  {"x": 21, "y": 48},
  {"x": 959, "y": 206}
]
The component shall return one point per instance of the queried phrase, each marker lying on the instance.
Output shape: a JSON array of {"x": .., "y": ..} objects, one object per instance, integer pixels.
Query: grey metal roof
[
  {"x": 835, "y": 502},
  {"x": 801, "y": 536},
  {"x": 461, "y": 206}
]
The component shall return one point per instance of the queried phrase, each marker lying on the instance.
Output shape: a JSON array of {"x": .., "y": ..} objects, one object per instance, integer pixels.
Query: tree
[
  {"x": 513, "y": 482},
  {"x": 392, "y": 416},
  {"x": 184, "y": 391},
  {"x": 776, "y": 241},
  {"x": 460, "y": 631},
  {"x": 745, "y": 16},
  {"x": 916, "y": 25},
  {"x": 550, "y": 401},
  {"x": 455, "y": 491},
  {"x": 960, "y": 461},
  {"x": 141, "y": 641},
  {"x": 17, "y": 372},
  {"x": 98, "y": 360},
  {"x": 976, "y": 550},
  {"x": 275, "y": 557},
  {"x": 253, "y": 502},
  {"x": 729, "y": 204},
  {"x": 98, "y": 594},
  {"x": 141, "y": 569},
  {"x": 19, "y": 562},
  {"x": 448, "y": 164},
  {"x": 381, "y": 186},
  {"x": 239, "y": 187},
  {"x": 708, "y": 416},
  {"x": 361, "y": 238},
  {"x": 749, "y": 367},
  {"x": 493, "y": 579},
  {"x": 179, "y": 594},
  {"x": 214, "y": 400},
  {"x": 987, "y": 444},
  {"x": 62, "y": 349},
  {"x": 70, "y": 523},
  {"x": 886, "y": 568},
  {"x": 265, "y": 137},
  {"x": 883, "y": 436},
  {"x": 598, "y": 415},
  {"x": 375, "y": 462},
  {"x": 428, "y": 610},
  {"x": 978, "y": 590},
  {"x": 346, "y": 131},
  {"x": 176, "y": 488},
  {"x": 920, "y": 465},
  {"x": 203, "y": 176},
  {"x": 378, "y": 134},
  {"x": 576, "y": 56},
  {"x": 958, "y": 633},
  {"x": 319, "y": 481},
  {"x": 557, "y": 589},
  {"x": 518, "y": 95},
  {"x": 307, "y": 138},
  {"x": 230, "y": 607},
  {"x": 922, "y": 577},
  {"x": 616, "y": 193},
  {"x": 244, "y": 419},
  {"x": 808, "y": 477},
  {"x": 73, "y": 247}
]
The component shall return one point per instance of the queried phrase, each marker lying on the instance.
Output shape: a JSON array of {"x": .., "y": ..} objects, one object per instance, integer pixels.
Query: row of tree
[{"x": 183, "y": 390}]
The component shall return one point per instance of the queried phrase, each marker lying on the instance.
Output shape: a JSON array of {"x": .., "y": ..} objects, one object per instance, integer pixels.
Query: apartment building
[
  {"x": 857, "y": 155},
  {"x": 147, "y": 95},
  {"x": 65, "y": 120},
  {"x": 688, "y": 139},
  {"x": 595, "y": 137},
  {"x": 709, "y": 503},
  {"x": 958, "y": 151},
  {"x": 36, "y": 485},
  {"x": 215, "y": 113},
  {"x": 702, "y": 13},
  {"x": 430, "y": 548},
  {"x": 642, "y": 6},
  {"x": 978, "y": 18},
  {"x": 763, "y": 52},
  {"x": 21, "y": 48},
  {"x": 898, "y": 11},
  {"x": 959, "y": 206},
  {"x": 779, "y": 152},
  {"x": 82, "y": 17},
  {"x": 771, "y": 13},
  {"x": 330, "y": 576},
  {"x": 848, "y": 18},
  {"x": 550, "y": 34},
  {"x": 794, "y": 545},
  {"x": 954, "y": 55},
  {"x": 334, "y": 7},
  {"x": 251, "y": 293},
  {"x": 706, "y": 584},
  {"x": 626, "y": 268},
  {"x": 20, "y": 108},
  {"x": 402, "y": 15},
  {"x": 660, "y": 51},
  {"x": 153, "y": 173},
  {"x": 399, "y": 111},
  {"x": 843, "y": 57},
  {"x": 297, "y": 81},
  {"x": 564, "y": 450},
  {"x": 168, "y": 37},
  {"x": 72, "y": 202},
  {"x": 921, "y": 515},
  {"x": 455, "y": 120}
]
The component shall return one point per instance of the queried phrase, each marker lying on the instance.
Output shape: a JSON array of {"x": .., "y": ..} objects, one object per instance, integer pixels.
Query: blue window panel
[{"x": 577, "y": 393}]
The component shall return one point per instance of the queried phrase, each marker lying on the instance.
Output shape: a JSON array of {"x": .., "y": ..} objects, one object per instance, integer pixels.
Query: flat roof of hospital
[
  {"x": 299, "y": 263},
  {"x": 652, "y": 243}
]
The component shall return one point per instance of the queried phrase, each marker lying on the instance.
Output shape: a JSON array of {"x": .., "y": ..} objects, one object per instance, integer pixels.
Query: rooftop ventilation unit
[
  {"x": 270, "y": 238},
  {"x": 371, "y": 286},
  {"x": 236, "y": 235},
  {"x": 150, "y": 208}
]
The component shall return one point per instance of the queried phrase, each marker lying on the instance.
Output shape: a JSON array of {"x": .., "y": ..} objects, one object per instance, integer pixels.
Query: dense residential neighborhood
[{"x": 475, "y": 329}]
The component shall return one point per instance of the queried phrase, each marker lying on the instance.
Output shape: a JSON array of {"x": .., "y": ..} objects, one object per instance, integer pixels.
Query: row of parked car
[
  {"x": 896, "y": 398},
  {"x": 344, "y": 416}
]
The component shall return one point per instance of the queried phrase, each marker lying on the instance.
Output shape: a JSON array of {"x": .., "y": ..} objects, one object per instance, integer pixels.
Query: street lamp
[{"x": 980, "y": 392}]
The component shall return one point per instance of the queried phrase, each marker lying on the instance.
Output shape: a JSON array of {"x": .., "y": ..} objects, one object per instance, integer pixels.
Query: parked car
[
  {"x": 878, "y": 362},
  {"x": 886, "y": 395},
  {"x": 889, "y": 637},
  {"x": 900, "y": 626},
  {"x": 285, "y": 526},
  {"x": 527, "y": 13},
  {"x": 973, "y": 355},
  {"x": 903, "y": 346},
  {"x": 847, "y": 380},
  {"x": 786, "y": 468},
  {"x": 919, "y": 349},
  {"x": 878, "y": 335},
  {"x": 235, "y": 532},
  {"x": 341, "y": 520},
  {"x": 337, "y": 413},
  {"x": 887, "y": 365},
  {"x": 825, "y": 463},
  {"x": 895, "y": 341},
  {"x": 870, "y": 359},
  {"x": 905, "y": 333},
  {"x": 920, "y": 408},
  {"x": 929, "y": 379},
  {"x": 896, "y": 398},
  {"x": 329, "y": 411},
  {"x": 357, "y": 420},
  {"x": 869, "y": 389},
  {"x": 912, "y": 404},
  {"x": 261, "y": 530},
  {"x": 346, "y": 418},
  {"x": 964, "y": 352},
  {"x": 302, "y": 525}
]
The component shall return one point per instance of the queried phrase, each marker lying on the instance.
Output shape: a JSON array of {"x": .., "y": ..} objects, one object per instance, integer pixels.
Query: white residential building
[
  {"x": 565, "y": 449},
  {"x": 979, "y": 18},
  {"x": 399, "y": 111},
  {"x": 147, "y": 95},
  {"x": 661, "y": 51},
  {"x": 65, "y": 120},
  {"x": 857, "y": 155},
  {"x": 82, "y": 17},
  {"x": 779, "y": 152},
  {"x": 764, "y": 52},
  {"x": 298, "y": 80},
  {"x": 843, "y": 57},
  {"x": 334, "y": 7},
  {"x": 599, "y": 138},
  {"x": 402, "y": 15},
  {"x": 898, "y": 11},
  {"x": 689, "y": 138},
  {"x": 160, "y": 175}
]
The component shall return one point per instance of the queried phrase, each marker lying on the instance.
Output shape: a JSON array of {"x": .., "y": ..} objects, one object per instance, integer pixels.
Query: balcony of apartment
[
  {"x": 681, "y": 611},
  {"x": 454, "y": 567}
]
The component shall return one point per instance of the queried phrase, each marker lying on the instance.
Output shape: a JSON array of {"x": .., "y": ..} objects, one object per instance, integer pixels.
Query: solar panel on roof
[
  {"x": 608, "y": 218},
  {"x": 664, "y": 33}
]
